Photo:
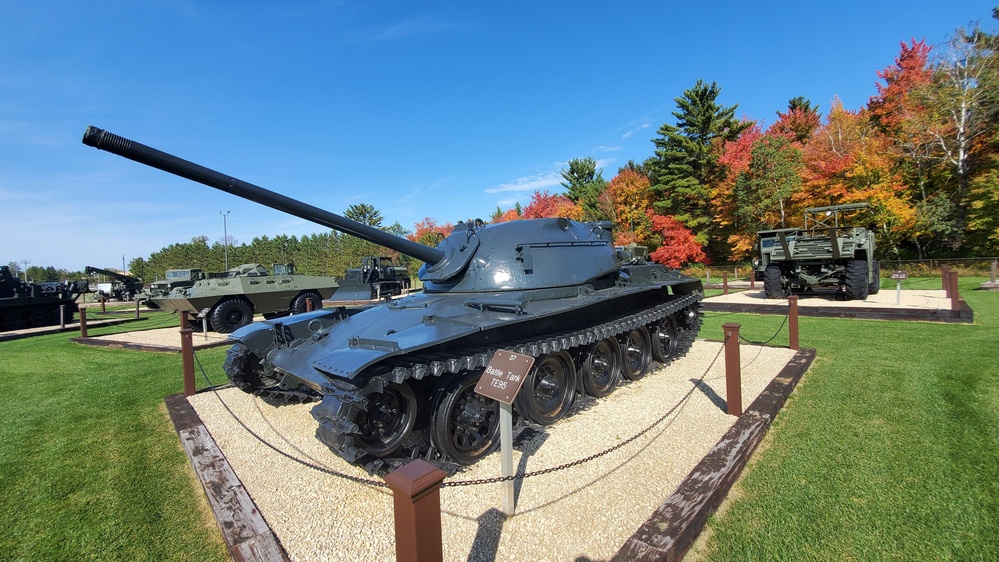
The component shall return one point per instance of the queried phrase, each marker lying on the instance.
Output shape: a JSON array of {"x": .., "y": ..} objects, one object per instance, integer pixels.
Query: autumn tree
[
  {"x": 546, "y": 205},
  {"x": 679, "y": 246},
  {"x": 631, "y": 197},
  {"x": 763, "y": 192},
  {"x": 685, "y": 164},
  {"x": 799, "y": 122}
]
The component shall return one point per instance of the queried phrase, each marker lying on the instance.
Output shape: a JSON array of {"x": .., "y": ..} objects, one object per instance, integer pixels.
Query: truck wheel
[
  {"x": 856, "y": 280},
  {"x": 298, "y": 305},
  {"x": 231, "y": 315},
  {"x": 771, "y": 282},
  {"x": 875, "y": 285}
]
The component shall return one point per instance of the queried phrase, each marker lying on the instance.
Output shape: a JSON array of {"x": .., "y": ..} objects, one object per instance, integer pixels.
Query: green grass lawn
[
  {"x": 887, "y": 450},
  {"x": 91, "y": 466}
]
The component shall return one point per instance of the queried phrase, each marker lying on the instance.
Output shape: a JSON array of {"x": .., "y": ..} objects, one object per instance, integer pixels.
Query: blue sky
[{"x": 422, "y": 109}]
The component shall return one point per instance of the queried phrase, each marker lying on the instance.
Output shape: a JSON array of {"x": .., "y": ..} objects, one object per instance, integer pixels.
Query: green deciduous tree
[{"x": 584, "y": 185}]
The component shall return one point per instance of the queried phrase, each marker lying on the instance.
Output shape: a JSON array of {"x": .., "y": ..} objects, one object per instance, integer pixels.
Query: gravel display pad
[{"x": 585, "y": 512}]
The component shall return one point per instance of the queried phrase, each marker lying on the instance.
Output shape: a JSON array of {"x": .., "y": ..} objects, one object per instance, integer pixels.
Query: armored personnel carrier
[
  {"x": 31, "y": 305},
  {"x": 174, "y": 279},
  {"x": 377, "y": 278},
  {"x": 397, "y": 380},
  {"x": 824, "y": 253},
  {"x": 230, "y": 302}
]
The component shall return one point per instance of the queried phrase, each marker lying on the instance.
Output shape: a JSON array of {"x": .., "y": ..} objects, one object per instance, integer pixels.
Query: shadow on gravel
[
  {"x": 711, "y": 394},
  {"x": 490, "y": 529}
]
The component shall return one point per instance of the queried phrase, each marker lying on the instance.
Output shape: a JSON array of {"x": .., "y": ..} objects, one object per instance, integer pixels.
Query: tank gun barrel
[{"x": 104, "y": 140}]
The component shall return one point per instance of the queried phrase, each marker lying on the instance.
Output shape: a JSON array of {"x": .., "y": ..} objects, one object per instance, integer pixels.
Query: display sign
[
  {"x": 899, "y": 274},
  {"x": 504, "y": 375}
]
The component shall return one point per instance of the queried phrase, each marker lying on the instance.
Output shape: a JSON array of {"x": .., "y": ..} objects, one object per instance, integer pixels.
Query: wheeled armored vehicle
[
  {"x": 396, "y": 381},
  {"x": 229, "y": 303},
  {"x": 824, "y": 253}
]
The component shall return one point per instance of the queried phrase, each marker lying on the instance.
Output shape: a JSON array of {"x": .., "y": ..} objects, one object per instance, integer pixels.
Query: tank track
[
  {"x": 343, "y": 400},
  {"x": 237, "y": 362}
]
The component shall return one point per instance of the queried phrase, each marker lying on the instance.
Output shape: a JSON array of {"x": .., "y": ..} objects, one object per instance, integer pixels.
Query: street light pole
[
  {"x": 25, "y": 262},
  {"x": 123, "y": 264},
  {"x": 225, "y": 238}
]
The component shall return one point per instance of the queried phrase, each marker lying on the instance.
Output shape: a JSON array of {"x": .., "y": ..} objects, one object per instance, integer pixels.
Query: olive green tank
[{"x": 230, "y": 302}]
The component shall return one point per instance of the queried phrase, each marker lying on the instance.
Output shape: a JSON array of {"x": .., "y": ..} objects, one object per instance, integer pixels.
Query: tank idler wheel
[
  {"x": 549, "y": 389},
  {"x": 664, "y": 340},
  {"x": 600, "y": 371},
  {"x": 244, "y": 369},
  {"x": 298, "y": 306},
  {"x": 637, "y": 350},
  {"x": 231, "y": 315},
  {"x": 386, "y": 423},
  {"x": 465, "y": 425}
]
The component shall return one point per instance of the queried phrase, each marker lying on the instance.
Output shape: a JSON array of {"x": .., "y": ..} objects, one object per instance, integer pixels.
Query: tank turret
[{"x": 396, "y": 381}]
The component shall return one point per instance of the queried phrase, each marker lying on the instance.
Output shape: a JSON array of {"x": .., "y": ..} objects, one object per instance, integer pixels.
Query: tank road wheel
[
  {"x": 231, "y": 315},
  {"x": 875, "y": 285},
  {"x": 386, "y": 423},
  {"x": 549, "y": 389},
  {"x": 601, "y": 368},
  {"x": 771, "y": 282},
  {"x": 465, "y": 425},
  {"x": 298, "y": 305},
  {"x": 637, "y": 349},
  {"x": 664, "y": 340},
  {"x": 856, "y": 280}
]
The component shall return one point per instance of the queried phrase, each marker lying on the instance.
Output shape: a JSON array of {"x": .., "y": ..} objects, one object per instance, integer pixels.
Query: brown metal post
[
  {"x": 136, "y": 309},
  {"x": 104, "y": 305},
  {"x": 83, "y": 322},
  {"x": 725, "y": 283},
  {"x": 944, "y": 270},
  {"x": 955, "y": 297},
  {"x": 62, "y": 316},
  {"x": 752, "y": 280},
  {"x": 187, "y": 354},
  {"x": 792, "y": 322},
  {"x": 995, "y": 266},
  {"x": 308, "y": 304},
  {"x": 416, "y": 488},
  {"x": 733, "y": 374}
]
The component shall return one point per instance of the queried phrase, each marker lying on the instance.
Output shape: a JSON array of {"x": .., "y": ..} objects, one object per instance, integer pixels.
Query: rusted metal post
[
  {"x": 83, "y": 322},
  {"x": 752, "y": 280},
  {"x": 725, "y": 283},
  {"x": 104, "y": 305},
  {"x": 955, "y": 296},
  {"x": 995, "y": 267},
  {"x": 792, "y": 322},
  {"x": 62, "y": 316},
  {"x": 137, "y": 309},
  {"x": 308, "y": 304},
  {"x": 944, "y": 270},
  {"x": 733, "y": 374},
  {"x": 416, "y": 488},
  {"x": 187, "y": 354}
]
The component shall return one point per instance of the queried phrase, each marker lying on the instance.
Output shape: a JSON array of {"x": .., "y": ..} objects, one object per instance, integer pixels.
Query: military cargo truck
[
  {"x": 377, "y": 278},
  {"x": 825, "y": 252}
]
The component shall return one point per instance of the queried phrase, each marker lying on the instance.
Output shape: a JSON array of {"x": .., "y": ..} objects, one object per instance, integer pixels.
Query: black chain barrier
[
  {"x": 517, "y": 476},
  {"x": 777, "y": 333}
]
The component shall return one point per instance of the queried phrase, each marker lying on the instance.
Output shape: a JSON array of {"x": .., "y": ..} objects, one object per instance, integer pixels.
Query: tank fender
[{"x": 259, "y": 336}]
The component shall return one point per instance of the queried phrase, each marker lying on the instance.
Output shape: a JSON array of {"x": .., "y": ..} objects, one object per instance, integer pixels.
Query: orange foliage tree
[
  {"x": 428, "y": 232},
  {"x": 630, "y": 194}
]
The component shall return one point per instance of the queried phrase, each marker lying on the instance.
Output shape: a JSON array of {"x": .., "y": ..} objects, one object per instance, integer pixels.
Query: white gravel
[
  {"x": 584, "y": 512},
  {"x": 917, "y": 299}
]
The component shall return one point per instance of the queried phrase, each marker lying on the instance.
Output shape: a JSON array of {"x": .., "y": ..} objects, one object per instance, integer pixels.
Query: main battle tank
[
  {"x": 396, "y": 380},
  {"x": 230, "y": 302}
]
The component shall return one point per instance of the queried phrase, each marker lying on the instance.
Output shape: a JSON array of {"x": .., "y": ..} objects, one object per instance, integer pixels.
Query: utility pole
[
  {"x": 123, "y": 264},
  {"x": 225, "y": 238},
  {"x": 25, "y": 262}
]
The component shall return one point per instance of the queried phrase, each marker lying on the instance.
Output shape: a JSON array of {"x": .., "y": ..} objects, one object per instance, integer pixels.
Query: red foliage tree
[
  {"x": 507, "y": 216},
  {"x": 428, "y": 232},
  {"x": 679, "y": 246},
  {"x": 545, "y": 205}
]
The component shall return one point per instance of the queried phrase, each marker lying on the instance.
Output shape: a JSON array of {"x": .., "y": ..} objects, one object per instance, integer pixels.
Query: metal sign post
[
  {"x": 898, "y": 276},
  {"x": 501, "y": 381}
]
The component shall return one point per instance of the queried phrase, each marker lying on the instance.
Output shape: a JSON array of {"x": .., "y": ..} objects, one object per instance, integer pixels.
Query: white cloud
[{"x": 529, "y": 183}]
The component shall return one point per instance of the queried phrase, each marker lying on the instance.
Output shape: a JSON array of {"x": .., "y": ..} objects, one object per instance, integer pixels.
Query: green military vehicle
[
  {"x": 174, "y": 279},
  {"x": 376, "y": 279},
  {"x": 230, "y": 302},
  {"x": 824, "y": 253}
]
